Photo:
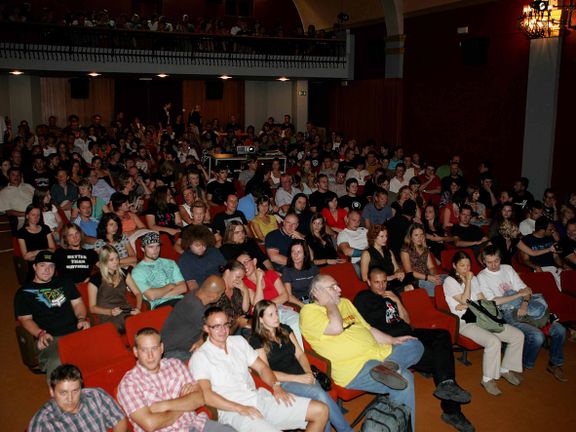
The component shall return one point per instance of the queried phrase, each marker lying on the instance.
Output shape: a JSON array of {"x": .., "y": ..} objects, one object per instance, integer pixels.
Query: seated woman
[
  {"x": 162, "y": 214},
  {"x": 131, "y": 223},
  {"x": 43, "y": 200},
  {"x": 263, "y": 222},
  {"x": 299, "y": 272},
  {"x": 478, "y": 209},
  {"x": 236, "y": 241},
  {"x": 185, "y": 209},
  {"x": 461, "y": 286},
  {"x": 98, "y": 204},
  {"x": 321, "y": 243},
  {"x": 435, "y": 235},
  {"x": 451, "y": 211},
  {"x": 418, "y": 261},
  {"x": 237, "y": 298},
  {"x": 278, "y": 348},
  {"x": 267, "y": 285},
  {"x": 200, "y": 258},
  {"x": 107, "y": 291},
  {"x": 335, "y": 217},
  {"x": 110, "y": 233},
  {"x": 34, "y": 236},
  {"x": 300, "y": 206},
  {"x": 379, "y": 255}
]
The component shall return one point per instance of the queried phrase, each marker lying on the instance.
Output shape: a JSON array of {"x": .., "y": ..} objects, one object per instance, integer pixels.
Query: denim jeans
[
  {"x": 429, "y": 285},
  {"x": 406, "y": 355},
  {"x": 534, "y": 338},
  {"x": 315, "y": 392}
]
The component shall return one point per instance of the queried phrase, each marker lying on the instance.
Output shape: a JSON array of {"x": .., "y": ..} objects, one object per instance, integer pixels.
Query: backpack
[{"x": 386, "y": 416}]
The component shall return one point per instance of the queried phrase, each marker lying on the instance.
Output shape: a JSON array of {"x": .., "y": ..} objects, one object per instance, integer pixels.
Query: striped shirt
[
  {"x": 98, "y": 412},
  {"x": 140, "y": 388}
]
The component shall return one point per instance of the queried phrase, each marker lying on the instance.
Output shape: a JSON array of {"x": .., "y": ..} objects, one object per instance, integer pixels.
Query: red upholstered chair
[
  {"x": 99, "y": 353},
  {"x": 463, "y": 343},
  {"x": 423, "y": 314},
  {"x": 346, "y": 277},
  {"x": 447, "y": 255},
  {"x": 154, "y": 318},
  {"x": 82, "y": 288},
  {"x": 568, "y": 282},
  {"x": 561, "y": 304}
]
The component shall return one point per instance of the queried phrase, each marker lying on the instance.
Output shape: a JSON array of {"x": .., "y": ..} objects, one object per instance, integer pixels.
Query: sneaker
[
  {"x": 491, "y": 387},
  {"x": 518, "y": 375},
  {"x": 385, "y": 374},
  {"x": 458, "y": 422},
  {"x": 511, "y": 378},
  {"x": 449, "y": 390},
  {"x": 558, "y": 373}
]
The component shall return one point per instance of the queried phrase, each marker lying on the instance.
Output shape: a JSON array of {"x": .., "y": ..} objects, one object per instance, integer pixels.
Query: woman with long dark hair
[
  {"x": 300, "y": 206},
  {"x": 276, "y": 346},
  {"x": 299, "y": 272},
  {"x": 435, "y": 235},
  {"x": 236, "y": 241},
  {"x": 162, "y": 214},
  {"x": 34, "y": 236},
  {"x": 109, "y": 232},
  {"x": 321, "y": 242}
]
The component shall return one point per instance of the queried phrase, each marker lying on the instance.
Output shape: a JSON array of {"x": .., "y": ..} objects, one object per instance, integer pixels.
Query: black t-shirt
[
  {"x": 568, "y": 247},
  {"x": 536, "y": 244},
  {"x": 231, "y": 251},
  {"x": 183, "y": 326},
  {"x": 352, "y": 203},
  {"x": 49, "y": 304},
  {"x": 38, "y": 241},
  {"x": 281, "y": 357},
  {"x": 299, "y": 280},
  {"x": 318, "y": 199},
  {"x": 220, "y": 191},
  {"x": 381, "y": 313},
  {"x": 397, "y": 228},
  {"x": 222, "y": 220},
  {"x": 470, "y": 233},
  {"x": 75, "y": 265},
  {"x": 166, "y": 217}
]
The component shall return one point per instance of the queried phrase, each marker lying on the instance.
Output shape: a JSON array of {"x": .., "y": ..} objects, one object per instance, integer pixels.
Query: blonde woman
[
  {"x": 107, "y": 291},
  {"x": 263, "y": 222}
]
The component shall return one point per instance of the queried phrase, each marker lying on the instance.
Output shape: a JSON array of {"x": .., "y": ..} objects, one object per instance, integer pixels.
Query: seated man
[
  {"x": 221, "y": 220},
  {"x": 378, "y": 211},
  {"x": 182, "y": 330},
  {"x": 318, "y": 198},
  {"x": 72, "y": 407},
  {"x": 16, "y": 196},
  {"x": 49, "y": 307},
  {"x": 86, "y": 222},
  {"x": 542, "y": 238},
  {"x": 278, "y": 241},
  {"x": 221, "y": 368},
  {"x": 528, "y": 225},
  {"x": 285, "y": 194},
  {"x": 384, "y": 310},
  {"x": 351, "y": 201},
  {"x": 353, "y": 240},
  {"x": 160, "y": 394},
  {"x": 501, "y": 283},
  {"x": 465, "y": 234},
  {"x": 220, "y": 188},
  {"x": 356, "y": 350},
  {"x": 158, "y": 279}
]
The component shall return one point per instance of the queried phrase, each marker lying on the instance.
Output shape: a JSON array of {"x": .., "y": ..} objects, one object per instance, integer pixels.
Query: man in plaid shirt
[
  {"x": 161, "y": 394},
  {"x": 73, "y": 408}
]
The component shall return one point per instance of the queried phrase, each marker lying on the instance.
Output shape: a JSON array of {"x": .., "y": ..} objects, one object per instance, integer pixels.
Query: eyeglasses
[{"x": 220, "y": 326}]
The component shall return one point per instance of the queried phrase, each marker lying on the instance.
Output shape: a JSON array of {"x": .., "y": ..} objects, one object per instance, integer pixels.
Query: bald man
[{"x": 182, "y": 330}]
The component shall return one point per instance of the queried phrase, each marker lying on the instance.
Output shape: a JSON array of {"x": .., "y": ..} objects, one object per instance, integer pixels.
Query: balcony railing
[{"x": 50, "y": 43}]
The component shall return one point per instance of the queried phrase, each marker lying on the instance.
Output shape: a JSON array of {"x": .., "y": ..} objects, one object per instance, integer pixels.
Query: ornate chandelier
[{"x": 545, "y": 19}]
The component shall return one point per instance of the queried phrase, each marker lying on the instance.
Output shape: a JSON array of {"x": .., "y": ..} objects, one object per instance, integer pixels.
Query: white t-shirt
[
  {"x": 356, "y": 239},
  {"x": 227, "y": 372},
  {"x": 495, "y": 284},
  {"x": 527, "y": 226},
  {"x": 453, "y": 288},
  {"x": 396, "y": 184}
]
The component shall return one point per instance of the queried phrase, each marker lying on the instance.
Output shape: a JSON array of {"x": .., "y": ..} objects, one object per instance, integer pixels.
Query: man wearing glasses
[
  {"x": 362, "y": 357},
  {"x": 221, "y": 368},
  {"x": 160, "y": 394}
]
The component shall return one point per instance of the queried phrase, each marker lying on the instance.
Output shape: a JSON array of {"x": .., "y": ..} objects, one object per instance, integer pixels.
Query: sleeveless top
[{"x": 382, "y": 261}]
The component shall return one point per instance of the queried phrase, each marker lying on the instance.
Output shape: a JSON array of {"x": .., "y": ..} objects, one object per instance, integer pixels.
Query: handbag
[
  {"x": 321, "y": 378},
  {"x": 488, "y": 316}
]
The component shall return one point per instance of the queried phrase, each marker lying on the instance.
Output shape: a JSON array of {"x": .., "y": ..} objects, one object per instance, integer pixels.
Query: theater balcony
[{"x": 51, "y": 49}]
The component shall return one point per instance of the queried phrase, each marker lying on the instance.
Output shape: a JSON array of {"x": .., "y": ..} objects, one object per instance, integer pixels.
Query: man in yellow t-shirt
[{"x": 362, "y": 357}]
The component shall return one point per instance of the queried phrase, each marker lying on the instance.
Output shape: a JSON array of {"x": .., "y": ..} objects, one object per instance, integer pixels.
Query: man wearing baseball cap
[
  {"x": 158, "y": 279},
  {"x": 49, "y": 307}
]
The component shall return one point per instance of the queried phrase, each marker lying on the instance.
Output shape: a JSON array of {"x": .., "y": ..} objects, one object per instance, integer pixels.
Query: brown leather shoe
[
  {"x": 558, "y": 373},
  {"x": 385, "y": 374}
]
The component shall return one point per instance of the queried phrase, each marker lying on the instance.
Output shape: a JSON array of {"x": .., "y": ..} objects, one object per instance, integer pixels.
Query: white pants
[
  {"x": 492, "y": 343},
  {"x": 277, "y": 416}
]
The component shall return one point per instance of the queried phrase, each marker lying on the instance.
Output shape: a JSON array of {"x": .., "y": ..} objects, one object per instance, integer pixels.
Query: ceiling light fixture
[
  {"x": 283, "y": 79},
  {"x": 94, "y": 74},
  {"x": 162, "y": 75},
  {"x": 225, "y": 77},
  {"x": 16, "y": 72}
]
